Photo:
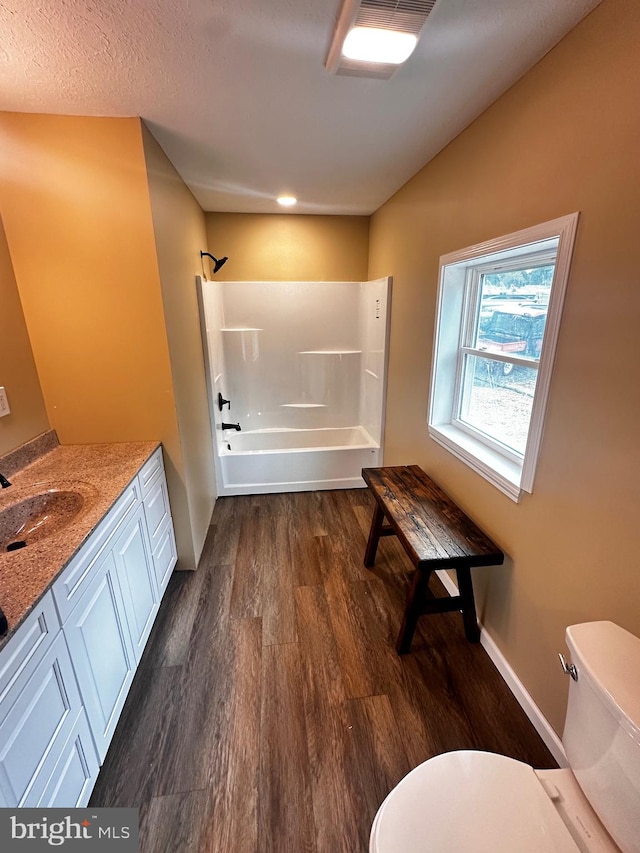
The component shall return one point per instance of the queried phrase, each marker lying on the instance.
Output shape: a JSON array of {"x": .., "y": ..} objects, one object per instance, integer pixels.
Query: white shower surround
[{"x": 304, "y": 365}]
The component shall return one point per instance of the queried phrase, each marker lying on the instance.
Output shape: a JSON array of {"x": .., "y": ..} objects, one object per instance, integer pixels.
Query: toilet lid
[{"x": 470, "y": 802}]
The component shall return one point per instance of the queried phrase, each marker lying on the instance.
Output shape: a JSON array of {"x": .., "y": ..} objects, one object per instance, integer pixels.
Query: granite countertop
[{"x": 99, "y": 472}]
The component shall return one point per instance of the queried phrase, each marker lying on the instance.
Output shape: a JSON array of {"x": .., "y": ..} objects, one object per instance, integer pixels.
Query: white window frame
[{"x": 459, "y": 278}]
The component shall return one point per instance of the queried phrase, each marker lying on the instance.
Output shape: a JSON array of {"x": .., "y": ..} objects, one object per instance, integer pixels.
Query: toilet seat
[{"x": 470, "y": 802}]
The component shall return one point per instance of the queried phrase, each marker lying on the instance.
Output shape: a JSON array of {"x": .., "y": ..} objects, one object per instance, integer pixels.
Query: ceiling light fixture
[
  {"x": 371, "y": 44},
  {"x": 373, "y": 37},
  {"x": 287, "y": 200}
]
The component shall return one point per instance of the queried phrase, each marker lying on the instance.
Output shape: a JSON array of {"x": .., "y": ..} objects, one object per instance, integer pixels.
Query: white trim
[
  {"x": 524, "y": 699},
  {"x": 519, "y": 240},
  {"x": 451, "y": 340},
  {"x": 493, "y": 466},
  {"x": 566, "y": 234},
  {"x": 447, "y": 582},
  {"x": 522, "y": 695}
]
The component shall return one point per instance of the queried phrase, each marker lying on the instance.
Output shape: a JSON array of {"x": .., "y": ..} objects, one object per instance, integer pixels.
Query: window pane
[
  {"x": 512, "y": 311},
  {"x": 497, "y": 399}
]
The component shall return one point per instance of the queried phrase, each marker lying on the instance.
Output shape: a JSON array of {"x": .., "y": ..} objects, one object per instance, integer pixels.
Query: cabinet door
[
  {"x": 75, "y": 773},
  {"x": 160, "y": 526},
  {"x": 136, "y": 576},
  {"x": 37, "y": 726},
  {"x": 164, "y": 555},
  {"x": 25, "y": 649},
  {"x": 101, "y": 651}
]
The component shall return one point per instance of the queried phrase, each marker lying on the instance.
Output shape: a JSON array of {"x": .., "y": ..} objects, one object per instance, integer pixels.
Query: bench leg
[
  {"x": 374, "y": 536},
  {"x": 412, "y": 610},
  {"x": 471, "y": 630}
]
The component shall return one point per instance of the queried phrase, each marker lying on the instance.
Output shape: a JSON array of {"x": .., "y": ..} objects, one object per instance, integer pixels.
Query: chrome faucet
[
  {"x": 237, "y": 427},
  {"x": 4, "y": 482}
]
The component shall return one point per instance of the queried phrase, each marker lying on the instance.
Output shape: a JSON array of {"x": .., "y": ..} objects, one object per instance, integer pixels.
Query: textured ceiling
[{"x": 237, "y": 94}]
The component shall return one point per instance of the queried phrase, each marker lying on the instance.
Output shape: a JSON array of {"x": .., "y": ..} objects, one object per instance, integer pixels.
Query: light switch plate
[{"x": 4, "y": 403}]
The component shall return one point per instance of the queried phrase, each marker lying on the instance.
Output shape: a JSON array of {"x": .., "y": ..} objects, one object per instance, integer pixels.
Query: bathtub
[{"x": 295, "y": 460}]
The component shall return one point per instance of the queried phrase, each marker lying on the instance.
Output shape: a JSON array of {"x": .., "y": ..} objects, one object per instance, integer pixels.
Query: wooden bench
[{"x": 436, "y": 534}]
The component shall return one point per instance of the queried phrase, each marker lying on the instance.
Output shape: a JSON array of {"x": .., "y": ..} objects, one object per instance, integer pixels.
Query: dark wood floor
[{"x": 270, "y": 713}]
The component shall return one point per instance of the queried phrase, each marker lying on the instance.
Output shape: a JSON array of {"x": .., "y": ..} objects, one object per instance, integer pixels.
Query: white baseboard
[
  {"x": 449, "y": 584},
  {"x": 522, "y": 695}
]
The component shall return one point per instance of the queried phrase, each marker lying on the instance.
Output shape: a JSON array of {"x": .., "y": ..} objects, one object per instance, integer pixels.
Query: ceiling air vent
[{"x": 406, "y": 16}]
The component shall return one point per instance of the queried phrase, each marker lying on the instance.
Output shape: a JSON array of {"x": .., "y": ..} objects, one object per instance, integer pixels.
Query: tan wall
[
  {"x": 288, "y": 247},
  {"x": 180, "y": 235},
  {"x": 18, "y": 374},
  {"x": 78, "y": 222},
  {"x": 563, "y": 139}
]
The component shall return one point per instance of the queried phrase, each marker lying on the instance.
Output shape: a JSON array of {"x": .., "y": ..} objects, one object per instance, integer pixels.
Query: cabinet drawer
[
  {"x": 24, "y": 651},
  {"x": 69, "y": 586},
  {"x": 156, "y": 507},
  {"x": 150, "y": 470},
  {"x": 164, "y": 555},
  {"x": 37, "y": 726},
  {"x": 160, "y": 526}
]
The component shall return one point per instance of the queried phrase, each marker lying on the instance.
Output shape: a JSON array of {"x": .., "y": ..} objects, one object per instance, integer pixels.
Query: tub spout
[{"x": 237, "y": 427}]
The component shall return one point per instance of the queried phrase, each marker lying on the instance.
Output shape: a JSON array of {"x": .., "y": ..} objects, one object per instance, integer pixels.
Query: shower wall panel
[
  {"x": 292, "y": 353},
  {"x": 373, "y": 322},
  {"x": 211, "y": 322}
]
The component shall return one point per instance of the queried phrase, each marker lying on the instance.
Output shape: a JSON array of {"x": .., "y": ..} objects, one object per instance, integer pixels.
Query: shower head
[{"x": 217, "y": 262}]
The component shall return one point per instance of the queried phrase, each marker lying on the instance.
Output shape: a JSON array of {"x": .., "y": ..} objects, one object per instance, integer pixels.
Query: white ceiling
[{"x": 237, "y": 94}]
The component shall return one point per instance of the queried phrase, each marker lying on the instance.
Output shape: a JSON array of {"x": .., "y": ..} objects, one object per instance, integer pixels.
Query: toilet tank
[{"x": 602, "y": 727}]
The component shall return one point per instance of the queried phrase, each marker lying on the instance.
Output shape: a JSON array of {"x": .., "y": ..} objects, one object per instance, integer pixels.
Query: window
[{"x": 499, "y": 307}]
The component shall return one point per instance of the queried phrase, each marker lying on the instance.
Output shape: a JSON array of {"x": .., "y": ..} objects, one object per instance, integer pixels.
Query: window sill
[{"x": 500, "y": 472}]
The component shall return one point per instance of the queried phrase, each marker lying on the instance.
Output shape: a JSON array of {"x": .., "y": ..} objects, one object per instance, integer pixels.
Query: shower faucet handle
[{"x": 222, "y": 402}]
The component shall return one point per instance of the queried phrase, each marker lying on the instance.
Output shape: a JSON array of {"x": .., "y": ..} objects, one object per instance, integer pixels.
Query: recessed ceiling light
[
  {"x": 287, "y": 200},
  {"x": 371, "y": 44}
]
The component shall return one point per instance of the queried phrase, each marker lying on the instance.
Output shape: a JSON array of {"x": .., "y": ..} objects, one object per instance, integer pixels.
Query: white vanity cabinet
[
  {"x": 66, "y": 671},
  {"x": 43, "y": 726},
  {"x": 108, "y": 599}
]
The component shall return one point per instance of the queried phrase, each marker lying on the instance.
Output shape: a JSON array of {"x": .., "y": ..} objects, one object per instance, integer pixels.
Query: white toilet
[{"x": 479, "y": 802}]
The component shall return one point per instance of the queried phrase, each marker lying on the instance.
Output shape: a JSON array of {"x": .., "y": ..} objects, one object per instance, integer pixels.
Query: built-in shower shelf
[
  {"x": 331, "y": 352},
  {"x": 371, "y": 373},
  {"x": 242, "y": 329},
  {"x": 303, "y": 405}
]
